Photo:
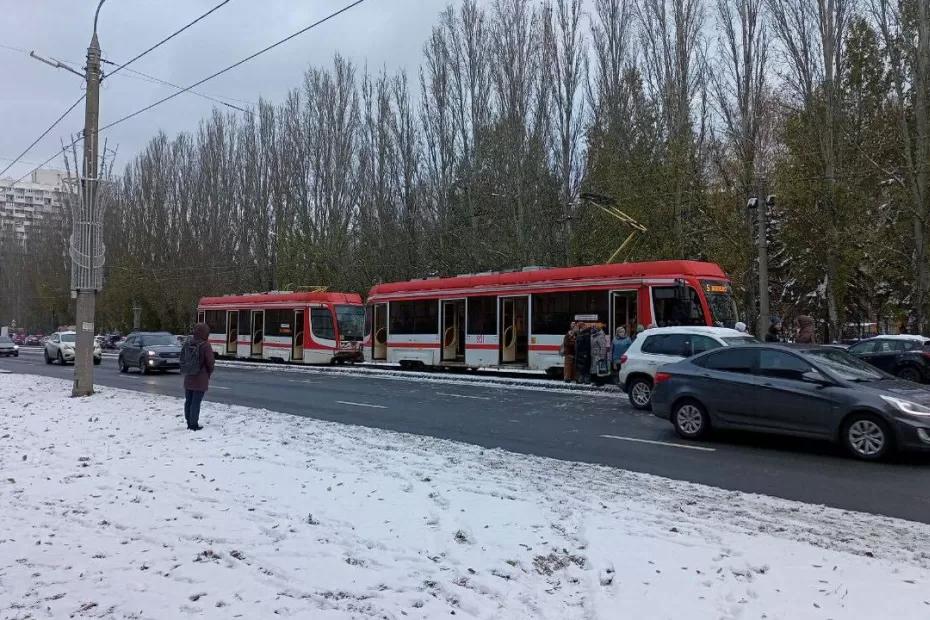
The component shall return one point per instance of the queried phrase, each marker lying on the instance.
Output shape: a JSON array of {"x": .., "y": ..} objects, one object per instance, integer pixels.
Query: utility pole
[
  {"x": 762, "y": 248},
  {"x": 85, "y": 237}
]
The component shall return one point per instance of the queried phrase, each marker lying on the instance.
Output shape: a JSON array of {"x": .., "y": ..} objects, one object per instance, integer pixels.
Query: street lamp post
[{"x": 87, "y": 250}]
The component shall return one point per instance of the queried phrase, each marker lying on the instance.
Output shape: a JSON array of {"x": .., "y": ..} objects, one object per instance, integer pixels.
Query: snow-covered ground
[{"x": 110, "y": 508}]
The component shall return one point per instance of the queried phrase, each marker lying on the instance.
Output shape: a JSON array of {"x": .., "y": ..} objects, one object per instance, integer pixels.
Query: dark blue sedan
[{"x": 807, "y": 391}]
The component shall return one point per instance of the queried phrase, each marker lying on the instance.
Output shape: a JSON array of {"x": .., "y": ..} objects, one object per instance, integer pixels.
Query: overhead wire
[
  {"x": 208, "y": 78},
  {"x": 115, "y": 71}
]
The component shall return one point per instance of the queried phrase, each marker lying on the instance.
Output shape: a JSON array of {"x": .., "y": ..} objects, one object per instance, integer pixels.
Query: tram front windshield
[
  {"x": 351, "y": 321},
  {"x": 721, "y": 302}
]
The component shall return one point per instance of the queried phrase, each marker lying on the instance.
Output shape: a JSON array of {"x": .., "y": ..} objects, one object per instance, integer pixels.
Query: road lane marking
[
  {"x": 220, "y": 387},
  {"x": 463, "y": 396},
  {"x": 661, "y": 443},
  {"x": 349, "y": 402}
]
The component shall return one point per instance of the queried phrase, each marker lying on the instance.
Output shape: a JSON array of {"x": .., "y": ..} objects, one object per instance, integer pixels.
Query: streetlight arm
[{"x": 97, "y": 14}]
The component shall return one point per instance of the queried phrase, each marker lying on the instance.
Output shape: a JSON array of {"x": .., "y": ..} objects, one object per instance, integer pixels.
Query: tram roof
[
  {"x": 539, "y": 276},
  {"x": 277, "y": 298}
]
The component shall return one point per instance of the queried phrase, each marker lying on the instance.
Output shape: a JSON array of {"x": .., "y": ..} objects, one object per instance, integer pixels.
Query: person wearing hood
[
  {"x": 196, "y": 383},
  {"x": 774, "y": 333},
  {"x": 618, "y": 347},
  {"x": 805, "y": 330},
  {"x": 740, "y": 327}
]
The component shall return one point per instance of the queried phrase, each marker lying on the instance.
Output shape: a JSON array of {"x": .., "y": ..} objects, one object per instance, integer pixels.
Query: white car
[
  {"x": 666, "y": 345},
  {"x": 60, "y": 348}
]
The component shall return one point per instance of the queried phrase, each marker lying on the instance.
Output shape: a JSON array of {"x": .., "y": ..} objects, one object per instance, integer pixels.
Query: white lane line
[
  {"x": 349, "y": 402},
  {"x": 661, "y": 443},
  {"x": 5, "y": 372},
  {"x": 462, "y": 396}
]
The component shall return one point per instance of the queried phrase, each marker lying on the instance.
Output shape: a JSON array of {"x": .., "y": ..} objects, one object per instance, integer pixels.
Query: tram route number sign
[{"x": 586, "y": 317}]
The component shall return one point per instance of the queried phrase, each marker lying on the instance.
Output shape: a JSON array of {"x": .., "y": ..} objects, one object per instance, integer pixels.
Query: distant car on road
[
  {"x": 904, "y": 356},
  {"x": 806, "y": 391},
  {"x": 149, "y": 351},
  {"x": 60, "y": 348},
  {"x": 8, "y": 347},
  {"x": 33, "y": 341},
  {"x": 665, "y": 345}
]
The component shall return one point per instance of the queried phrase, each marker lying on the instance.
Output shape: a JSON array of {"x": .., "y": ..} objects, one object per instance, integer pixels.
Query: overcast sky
[{"x": 387, "y": 33}]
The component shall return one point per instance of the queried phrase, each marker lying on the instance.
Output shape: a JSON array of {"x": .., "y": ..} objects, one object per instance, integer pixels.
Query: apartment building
[{"x": 26, "y": 207}]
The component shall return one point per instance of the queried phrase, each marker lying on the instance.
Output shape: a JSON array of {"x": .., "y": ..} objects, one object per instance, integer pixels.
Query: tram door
[
  {"x": 623, "y": 311},
  {"x": 258, "y": 332},
  {"x": 297, "y": 347},
  {"x": 379, "y": 332},
  {"x": 514, "y": 337},
  {"x": 453, "y": 331},
  {"x": 232, "y": 332}
]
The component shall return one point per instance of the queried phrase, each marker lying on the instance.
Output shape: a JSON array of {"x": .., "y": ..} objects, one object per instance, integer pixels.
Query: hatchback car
[
  {"x": 60, "y": 348},
  {"x": 807, "y": 391},
  {"x": 149, "y": 351},
  {"x": 8, "y": 347},
  {"x": 904, "y": 356},
  {"x": 656, "y": 347}
]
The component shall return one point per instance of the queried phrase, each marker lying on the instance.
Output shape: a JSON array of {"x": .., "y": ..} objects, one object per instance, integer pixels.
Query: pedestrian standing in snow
[
  {"x": 568, "y": 354},
  {"x": 600, "y": 353},
  {"x": 805, "y": 330},
  {"x": 774, "y": 333},
  {"x": 618, "y": 347},
  {"x": 197, "y": 363},
  {"x": 583, "y": 354}
]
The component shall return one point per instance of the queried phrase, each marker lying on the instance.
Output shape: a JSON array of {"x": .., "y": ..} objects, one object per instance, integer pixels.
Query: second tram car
[
  {"x": 301, "y": 327},
  {"x": 518, "y": 318}
]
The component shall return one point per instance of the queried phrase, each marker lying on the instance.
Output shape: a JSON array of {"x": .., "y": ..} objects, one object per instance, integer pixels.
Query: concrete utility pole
[{"x": 86, "y": 246}]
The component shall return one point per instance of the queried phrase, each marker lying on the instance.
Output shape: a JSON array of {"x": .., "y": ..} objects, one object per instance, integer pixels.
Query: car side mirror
[{"x": 812, "y": 376}]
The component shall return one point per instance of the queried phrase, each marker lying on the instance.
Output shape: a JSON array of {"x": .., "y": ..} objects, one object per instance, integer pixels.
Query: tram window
[
  {"x": 482, "y": 315},
  {"x": 553, "y": 313},
  {"x": 279, "y": 323},
  {"x": 414, "y": 317},
  {"x": 321, "y": 323},
  {"x": 245, "y": 322},
  {"x": 216, "y": 319},
  {"x": 676, "y": 306}
]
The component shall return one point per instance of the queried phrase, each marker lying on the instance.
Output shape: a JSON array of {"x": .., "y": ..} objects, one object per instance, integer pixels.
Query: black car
[
  {"x": 903, "y": 356},
  {"x": 149, "y": 351},
  {"x": 808, "y": 391}
]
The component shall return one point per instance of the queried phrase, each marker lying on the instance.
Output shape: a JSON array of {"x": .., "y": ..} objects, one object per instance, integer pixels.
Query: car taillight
[
  {"x": 623, "y": 359},
  {"x": 662, "y": 377}
]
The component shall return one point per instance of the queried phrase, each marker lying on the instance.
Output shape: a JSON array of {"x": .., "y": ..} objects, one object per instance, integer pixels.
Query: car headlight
[
  {"x": 906, "y": 406},
  {"x": 16, "y": 347},
  {"x": 152, "y": 354}
]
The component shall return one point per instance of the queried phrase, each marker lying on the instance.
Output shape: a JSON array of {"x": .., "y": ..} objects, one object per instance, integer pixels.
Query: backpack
[{"x": 191, "y": 359}]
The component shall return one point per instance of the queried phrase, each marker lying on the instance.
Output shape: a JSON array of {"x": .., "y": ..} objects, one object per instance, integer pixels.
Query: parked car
[
  {"x": 60, "y": 348},
  {"x": 8, "y": 347},
  {"x": 665, "y": 345},
  {"x": 18, "y": 339},
  {"x": 805, "y": 391},
  {"x": 904, "y": 356},
  {"x": 149, "y": 351},
  {"x": 33, "y": 341}
]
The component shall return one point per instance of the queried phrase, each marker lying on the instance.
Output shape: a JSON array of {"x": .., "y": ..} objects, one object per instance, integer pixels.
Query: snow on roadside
[{"x": 112, "y": 509}]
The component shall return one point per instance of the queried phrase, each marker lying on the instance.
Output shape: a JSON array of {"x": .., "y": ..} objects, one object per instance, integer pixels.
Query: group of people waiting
[{"x": 590, "y": 355}]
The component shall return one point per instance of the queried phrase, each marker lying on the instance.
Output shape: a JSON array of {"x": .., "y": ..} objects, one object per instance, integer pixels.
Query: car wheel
[
  {"x": 123, "y": 368},
  {"x": 96, "y": 361},
  {"x": 142, "y": 367},
  {"x": 48, "y": 360},
  {"x": 909, "y": 373},
  {"x": 61, "y": 359},
  {"x": 867, "y": 437},
  {"x": 641, "y": 394},
  {"x": 690, "y": 420}
]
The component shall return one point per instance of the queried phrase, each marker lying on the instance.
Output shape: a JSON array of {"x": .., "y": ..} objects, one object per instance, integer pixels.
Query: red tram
[
  {"x": 302, "y": 327},
  {"x": 518, "y": 318}
]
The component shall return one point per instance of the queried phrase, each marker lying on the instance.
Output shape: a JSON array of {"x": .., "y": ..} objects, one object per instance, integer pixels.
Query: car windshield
[
  {"x": 5, "y": 340},
  {"x": 721, "y": 303},
  {"x": 351, "y": 321},
  {"x": 735, "y": 341},
  {"x": 845, "y": 366},
  {"x": 67, "y": 337},
  {"x": 155, "y": 340}
]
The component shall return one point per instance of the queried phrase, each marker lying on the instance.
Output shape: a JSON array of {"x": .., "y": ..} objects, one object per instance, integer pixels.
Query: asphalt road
[{"x": 583, "y": 426}]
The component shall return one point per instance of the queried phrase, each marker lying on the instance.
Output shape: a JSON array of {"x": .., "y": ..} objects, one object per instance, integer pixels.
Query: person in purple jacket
[{"x": 197, "y": 379}]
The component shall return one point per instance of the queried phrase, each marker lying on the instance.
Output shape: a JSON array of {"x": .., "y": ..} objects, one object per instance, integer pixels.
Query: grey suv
[{"x": 149, "y": 351}]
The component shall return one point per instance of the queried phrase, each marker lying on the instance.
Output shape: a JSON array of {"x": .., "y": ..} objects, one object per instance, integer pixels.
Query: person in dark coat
[
  {"x": 583, "y": 355},
  {"x": 195, "y": 386},
  {"x": 774, "y": 333},
  {"x": 805, "y": 330},
  {"x": 568, "y": 353}
]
